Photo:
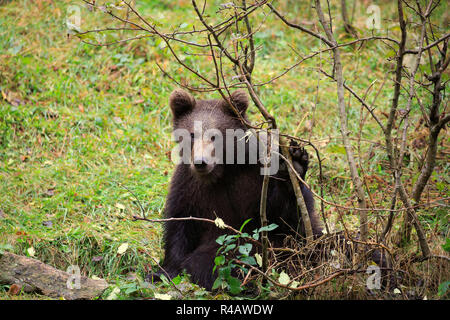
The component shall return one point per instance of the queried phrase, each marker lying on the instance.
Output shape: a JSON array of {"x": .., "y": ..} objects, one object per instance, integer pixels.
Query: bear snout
[
  {"x": 203, "y": 157},
  {"x": 200, "y": 164},
  {"x": 202, "y": 169}
]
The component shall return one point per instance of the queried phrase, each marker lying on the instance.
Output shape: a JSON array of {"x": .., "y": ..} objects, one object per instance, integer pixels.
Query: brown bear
[{"x": 203, "y": 186}]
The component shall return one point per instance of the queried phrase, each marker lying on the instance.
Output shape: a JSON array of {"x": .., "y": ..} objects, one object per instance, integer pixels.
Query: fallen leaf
[
  {"x": 31, "y": 251},
  {"x": 284, "y": 278},
  {"x": 120, "y": 206},
  {"x": 14, "y": 289},
  {"x": 122, "y": 248},
  {"x": 163, "y": 296},
  {"x": 258, "y": 259}
]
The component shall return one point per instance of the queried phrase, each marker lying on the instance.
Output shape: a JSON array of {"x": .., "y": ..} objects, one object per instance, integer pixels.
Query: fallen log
[{"x": 35, "y": 276}]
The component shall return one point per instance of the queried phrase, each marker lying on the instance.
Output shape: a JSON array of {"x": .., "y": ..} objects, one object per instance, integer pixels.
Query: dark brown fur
[{"x": 231, "y": 192}]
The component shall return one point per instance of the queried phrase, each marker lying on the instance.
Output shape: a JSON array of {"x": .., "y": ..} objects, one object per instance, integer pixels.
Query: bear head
[{"x": 206, "y": 130}]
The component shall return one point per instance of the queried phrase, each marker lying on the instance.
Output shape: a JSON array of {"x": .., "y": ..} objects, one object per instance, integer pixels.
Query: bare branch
[
  {"x": 357, "y": 184},
  {"x": 431, "y": 45},
  {"x": 299, "y": 27}
]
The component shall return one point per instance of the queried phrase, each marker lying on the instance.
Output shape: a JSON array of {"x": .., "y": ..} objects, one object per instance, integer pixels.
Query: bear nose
[{"x": 200, "y": 163}]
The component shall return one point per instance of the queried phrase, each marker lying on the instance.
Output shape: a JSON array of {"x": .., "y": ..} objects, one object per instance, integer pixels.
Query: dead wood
[{"x": 35, "y": 276}]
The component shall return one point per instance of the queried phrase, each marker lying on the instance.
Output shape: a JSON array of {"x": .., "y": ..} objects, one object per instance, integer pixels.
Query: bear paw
[{"x": 300, "y": 158}]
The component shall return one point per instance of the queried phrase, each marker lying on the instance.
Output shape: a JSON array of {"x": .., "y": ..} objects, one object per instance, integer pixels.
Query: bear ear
[
  {"x": 181, "y": 102},
  {"x": 240, "y": 100}
]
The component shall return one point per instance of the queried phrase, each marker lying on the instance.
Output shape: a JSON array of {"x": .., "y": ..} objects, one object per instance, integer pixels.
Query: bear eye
[
  {"x": 213, "y": 138},
  {"x": 192, "y": 136}
]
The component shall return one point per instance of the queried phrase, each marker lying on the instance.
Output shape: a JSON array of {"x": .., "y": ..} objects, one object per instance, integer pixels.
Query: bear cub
[{"x": 203, "y": 186}]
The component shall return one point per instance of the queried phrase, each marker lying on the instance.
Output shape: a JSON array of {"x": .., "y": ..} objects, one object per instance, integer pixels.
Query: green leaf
[
  {"x": 225, "y": 272},
  {"x": 231, "y": 238},
  {"x": 249, "y": 260},
  {"x": 234, "y": 285},
  {"x": 220, "y": 260},
  {"x": 226, "y": 239},
  {"x": 220, "y": 240},
  {"x": 245, "y": 249},
  {"x": 217, "y": 283},
  {"x": 243, "y": 225},
  {"x": 131, "y": 289},
  {"x": 176, "y": 280},
  {"x": 446, "y": 245},
  {"x": 443, "y": 288},
  {"x": 229, "y": 247},
  {"x": 270, "y": 227}
]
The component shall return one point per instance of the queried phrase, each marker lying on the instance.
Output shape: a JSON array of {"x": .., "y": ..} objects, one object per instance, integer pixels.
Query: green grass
[{"x": 81, "y": 126}]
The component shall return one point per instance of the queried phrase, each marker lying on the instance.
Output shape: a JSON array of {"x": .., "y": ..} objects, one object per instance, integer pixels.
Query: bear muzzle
[
  {"x": 201, "y": 165},
  {"x": 203, "y": 160}
]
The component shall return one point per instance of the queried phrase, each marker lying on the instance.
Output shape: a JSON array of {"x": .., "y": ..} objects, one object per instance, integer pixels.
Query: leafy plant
[{"x": 233, "y": 248}]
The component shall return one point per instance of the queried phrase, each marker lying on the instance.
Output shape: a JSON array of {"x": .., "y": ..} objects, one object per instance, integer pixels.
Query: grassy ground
[{"x": 85, "y": 134}]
